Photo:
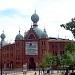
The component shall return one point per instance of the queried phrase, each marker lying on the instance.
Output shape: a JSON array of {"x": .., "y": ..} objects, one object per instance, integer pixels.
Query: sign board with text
[{"x": 31, "y": 48}]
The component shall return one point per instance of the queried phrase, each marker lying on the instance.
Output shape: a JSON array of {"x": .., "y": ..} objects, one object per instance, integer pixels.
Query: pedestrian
[
  {"x": 6, "y": 73},
  {"x": 43, "y": 70},
  {"x": 35, "y": 73},
  {"x": 48, "y": 71},
  {"x": 39, "y": 71},
  {"x": 66, "y": 73}
]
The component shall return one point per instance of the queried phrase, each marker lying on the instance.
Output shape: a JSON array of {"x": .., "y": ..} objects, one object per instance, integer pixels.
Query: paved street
[
  {"x": 16, "y": 72},
  {"x": 29, "y": 73},
  {"x": 37, "y": 73}
]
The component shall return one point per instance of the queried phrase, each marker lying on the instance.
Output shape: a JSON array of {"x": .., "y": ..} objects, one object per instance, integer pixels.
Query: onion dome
[
  {"x": 37, "y": 30},
  {"x": 35, "y": 18},
  {"x": 3, "y": 36},
  {"x": 19, "y": 37},
  {"x": 44, "y": 34},
  {"x": 25, "y": 34},
  {"x": 40, "y": 33},
  {"x": 3, "y": 43}
]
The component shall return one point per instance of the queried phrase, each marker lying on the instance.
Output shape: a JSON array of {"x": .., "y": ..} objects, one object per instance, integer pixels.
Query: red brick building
[{"x": 30, "y": 48}]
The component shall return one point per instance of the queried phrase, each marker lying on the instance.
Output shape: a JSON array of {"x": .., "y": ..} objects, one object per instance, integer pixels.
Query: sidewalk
[
  {"x": 30, "y": 73},
  {"x": 15, "y": 72},
  {"x": 37, "y": 73},
  {"x": 54, "y": 74}
]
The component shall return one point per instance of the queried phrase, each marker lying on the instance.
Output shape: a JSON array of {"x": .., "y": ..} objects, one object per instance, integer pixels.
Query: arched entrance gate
[{"x": 32, "y": 64}]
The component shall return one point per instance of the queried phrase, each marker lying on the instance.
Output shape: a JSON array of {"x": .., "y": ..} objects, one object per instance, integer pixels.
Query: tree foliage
[
  {"x": 68, "y": 57},
  {"x": 47, "y": 60},
  {"x": 70, "y": 26},
  {"x": 64, "y": 60},
  {"x": 70, "y": 47},
  {"x": 58, "y": 60}
]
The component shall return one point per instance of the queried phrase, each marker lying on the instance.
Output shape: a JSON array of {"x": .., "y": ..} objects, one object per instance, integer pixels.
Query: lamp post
[{"x": 1, "y": 55}]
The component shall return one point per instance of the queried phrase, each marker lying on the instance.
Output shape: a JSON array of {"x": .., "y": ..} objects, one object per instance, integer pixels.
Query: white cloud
[
  {"x": 18, "y": 4},
  {"x": 52, "y": 13}
]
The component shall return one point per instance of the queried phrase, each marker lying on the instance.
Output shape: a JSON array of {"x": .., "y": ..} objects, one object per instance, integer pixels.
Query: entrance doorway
[
  {"x": 32, "y": 64},
  {"x": 11, "y": 65}
]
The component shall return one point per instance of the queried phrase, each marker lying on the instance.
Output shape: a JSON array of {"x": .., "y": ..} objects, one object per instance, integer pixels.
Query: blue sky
[{"x": 52, "y": 13}]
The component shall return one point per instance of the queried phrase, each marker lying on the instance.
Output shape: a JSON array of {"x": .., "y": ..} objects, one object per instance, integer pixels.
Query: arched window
[{"x": 31, "y": 36}]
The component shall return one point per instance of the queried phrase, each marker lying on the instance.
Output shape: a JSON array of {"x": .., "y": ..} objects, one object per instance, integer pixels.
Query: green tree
[
  {"x": 67, "y": 59},
  {"x": 58, "y": 60},
  {"x": 68, "y": 56},
  {"x": 47, "y": 60},
  {"x": 70, "y": 47},
  {"x": 70, "y": 26}
]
